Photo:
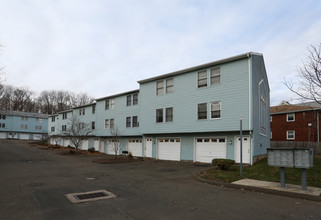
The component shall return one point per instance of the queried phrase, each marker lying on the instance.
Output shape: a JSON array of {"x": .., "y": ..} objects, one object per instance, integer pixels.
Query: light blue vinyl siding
[
  {"x": 232, "y": 92},
  {"x": 260, "y": 142},
  {"x": 119, "y": 114},
  {"x": 13, "y": 124}
]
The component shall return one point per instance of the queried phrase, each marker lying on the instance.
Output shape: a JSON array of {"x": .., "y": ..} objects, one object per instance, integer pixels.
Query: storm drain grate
[{"x": 89, "y": 196}]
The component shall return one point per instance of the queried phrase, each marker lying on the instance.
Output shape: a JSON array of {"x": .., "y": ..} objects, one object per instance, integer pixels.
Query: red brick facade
[{"x": 306, "y": 125}]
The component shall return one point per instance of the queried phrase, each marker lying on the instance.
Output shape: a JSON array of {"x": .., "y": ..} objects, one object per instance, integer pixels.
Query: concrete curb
[{"x": 257, "y": 189}]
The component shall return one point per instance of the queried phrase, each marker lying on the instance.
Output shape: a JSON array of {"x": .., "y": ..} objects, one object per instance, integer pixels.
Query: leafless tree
[
  {"x": 20, "y": 97},
  {"x": 309, "y": 86},
  {"x": 77, "y": 131},
  {"x": 114, "y": 141}
]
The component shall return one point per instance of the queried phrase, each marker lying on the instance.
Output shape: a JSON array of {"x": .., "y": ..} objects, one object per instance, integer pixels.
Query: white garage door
[
  {"x": 135, "y": 147},
  {"x": 2, "y": 135},
  {"x": 37, "y": 136},
  {"x": 66, "y": 142},
  {"x": 84, "y": 145},
  {"x": 208, "y": 149},
  {"x": 169, "y": 149},
  {"x": 113, "y": 146},
  {"x": 24, "y": 136},
  {"x": 148, "y": 147}
]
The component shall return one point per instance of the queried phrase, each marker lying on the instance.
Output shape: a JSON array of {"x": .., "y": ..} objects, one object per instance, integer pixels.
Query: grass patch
[{"x": 262, "y": 171}]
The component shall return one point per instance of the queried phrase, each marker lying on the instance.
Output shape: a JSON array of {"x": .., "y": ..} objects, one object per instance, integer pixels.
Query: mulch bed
[{"x": 117, "y": 160}]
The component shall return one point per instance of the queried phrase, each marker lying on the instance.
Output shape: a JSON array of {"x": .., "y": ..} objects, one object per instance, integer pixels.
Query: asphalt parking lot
[{"x": 33, "y": 184}]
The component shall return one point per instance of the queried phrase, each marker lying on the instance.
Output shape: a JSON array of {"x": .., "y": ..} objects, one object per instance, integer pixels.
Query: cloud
[{"x": 105, "y": 47}]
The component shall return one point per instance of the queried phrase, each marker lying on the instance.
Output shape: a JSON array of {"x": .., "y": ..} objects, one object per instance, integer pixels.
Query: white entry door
[
  {"x": 96, "y": 144},
  {"x": 169, "y": 149},
  {"x": 246, "y": 149},
  {"x": 101, "y": 146},
  {"x": 149, "y": 147}
]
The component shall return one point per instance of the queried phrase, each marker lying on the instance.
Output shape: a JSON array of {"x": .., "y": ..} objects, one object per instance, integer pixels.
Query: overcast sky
[{"x": 103, "y": 47}]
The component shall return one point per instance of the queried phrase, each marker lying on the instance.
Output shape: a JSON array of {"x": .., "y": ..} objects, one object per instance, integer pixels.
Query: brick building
[{"x": 295, "y": 123}]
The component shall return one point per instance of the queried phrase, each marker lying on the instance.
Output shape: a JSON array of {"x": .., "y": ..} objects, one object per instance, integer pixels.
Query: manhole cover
[{"x": 89, "y": 196}]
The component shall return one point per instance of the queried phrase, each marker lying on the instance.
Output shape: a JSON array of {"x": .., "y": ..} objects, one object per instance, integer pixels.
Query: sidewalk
[
  {"x": 312, "y": 191},
  {"x": 293, "y": 191}
]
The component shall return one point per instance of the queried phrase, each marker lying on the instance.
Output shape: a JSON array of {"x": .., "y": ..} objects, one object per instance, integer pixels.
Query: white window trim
[
  {"x": 211, "y": 110},
  {"x": 162, "y": 93},
  {"x": 166, "y": 86},
  {"x": 287, "y": 117},
  {"x": 202, "y": 119},
  {"x": 197, "y": 79},
  {"x": 287, "y": 135}
]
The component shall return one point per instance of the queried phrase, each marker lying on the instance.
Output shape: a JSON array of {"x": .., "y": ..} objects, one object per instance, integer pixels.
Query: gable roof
[
  {"x": 218, "y": 62},
  {"x": 290, "y": 108},
  {"x": 25, "y": 114}
]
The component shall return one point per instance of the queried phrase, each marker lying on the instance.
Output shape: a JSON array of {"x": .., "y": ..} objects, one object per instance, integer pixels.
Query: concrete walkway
[{"x": 312, "y": 191}]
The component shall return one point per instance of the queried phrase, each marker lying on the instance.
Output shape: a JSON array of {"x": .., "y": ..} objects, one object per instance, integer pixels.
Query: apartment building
[
  {"x": 187, "y": 115},
  {"x": 23, "y": 125}
]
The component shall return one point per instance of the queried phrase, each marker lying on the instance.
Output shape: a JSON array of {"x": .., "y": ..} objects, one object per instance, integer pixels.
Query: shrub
[
  {"x": 91, "y": 150},
  {"x": 130, "y": 156},
  {"x": 223, "y": 164},
  {"x": 72, "y": 151}
]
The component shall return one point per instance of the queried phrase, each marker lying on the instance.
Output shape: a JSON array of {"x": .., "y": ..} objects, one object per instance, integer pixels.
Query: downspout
[{"x": 250, "y": 106}]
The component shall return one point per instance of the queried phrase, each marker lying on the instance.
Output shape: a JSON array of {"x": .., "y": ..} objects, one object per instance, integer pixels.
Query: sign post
[{"x": 241, "y": 151}]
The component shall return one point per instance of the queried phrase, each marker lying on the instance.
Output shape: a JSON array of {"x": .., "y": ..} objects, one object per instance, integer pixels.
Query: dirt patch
[
  {"x": 64, "y": 150},
  {"x": 117, "y": 160}
]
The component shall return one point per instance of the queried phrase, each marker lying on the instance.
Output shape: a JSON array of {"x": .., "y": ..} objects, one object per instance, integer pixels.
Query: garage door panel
[
  {"x": 2, "y": 135},
  {"x": 208, "y": 149},
  {"x": 135, "y": 147},
  {"x": 169, "y": 149},
  {"x": 24, "y": 136}
]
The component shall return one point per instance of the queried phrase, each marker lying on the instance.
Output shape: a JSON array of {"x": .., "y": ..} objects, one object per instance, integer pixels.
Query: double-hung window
[
  {"x": 111, "y": 123},
  {"x": 64, "y": 127},
  {"x": 159, "y": 115},
  {"x": 169, "y": 85},
  {"x": 128, "y": 122},
  {"x": 215, "y": 76},
  {"x": 106, "y": 123},
  {"x": 290, "y": 135},
  {"x": 135, "y": 99},
  {"x": 93, "y": 110},
  {"x": 160, "y": 88},
  {"x": 135, "y": 121},
  {"x": 290, "y": 117},
  {"x": 202, "y": 78},
  {"x": 107, "y": 104},
  {"x": 169, "y": 114},
  {"x": 202, "y": 111},
  {"x": 129, "y": 100},
  {"x": 112, "y": 104},
  {"x": 215, "y": 109},
  {"x": 93, "y": 125}
]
